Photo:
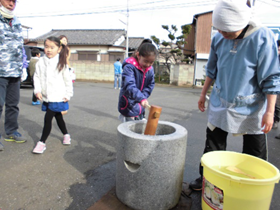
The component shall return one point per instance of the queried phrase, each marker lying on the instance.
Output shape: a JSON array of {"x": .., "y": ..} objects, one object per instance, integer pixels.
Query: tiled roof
[
  {"x": 133, "y": 42},
  {"x": 86, "y": 36}
]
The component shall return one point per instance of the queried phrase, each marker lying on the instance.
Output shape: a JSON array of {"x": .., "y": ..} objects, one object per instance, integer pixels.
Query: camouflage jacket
[{"x": 11, "y": 48}]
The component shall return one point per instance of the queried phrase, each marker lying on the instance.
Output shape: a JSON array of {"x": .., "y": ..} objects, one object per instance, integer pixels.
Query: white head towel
[
  {"x": 6, "y": 12},
  {"x": 231, "y": 15}
]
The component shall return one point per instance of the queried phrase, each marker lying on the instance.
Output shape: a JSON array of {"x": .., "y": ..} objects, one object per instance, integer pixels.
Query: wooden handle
[
  {"x": 239, "y": 171},
  {"x": 152, "y": 122}
]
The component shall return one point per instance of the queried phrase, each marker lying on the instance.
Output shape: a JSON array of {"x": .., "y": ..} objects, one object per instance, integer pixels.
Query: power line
[
  {"x": 133, "y": 8},
  {"x": 274, "y": 3}
]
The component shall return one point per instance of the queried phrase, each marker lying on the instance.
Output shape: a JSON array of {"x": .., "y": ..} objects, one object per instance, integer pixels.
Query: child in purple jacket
[{"x": 137, "y": 82}]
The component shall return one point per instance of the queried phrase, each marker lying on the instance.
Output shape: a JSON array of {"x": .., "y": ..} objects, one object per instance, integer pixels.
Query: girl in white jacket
[{"x": 53, "y": 85}]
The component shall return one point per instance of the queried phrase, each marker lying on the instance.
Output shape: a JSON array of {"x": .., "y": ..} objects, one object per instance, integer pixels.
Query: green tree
[{"x": 172, "y": 50}]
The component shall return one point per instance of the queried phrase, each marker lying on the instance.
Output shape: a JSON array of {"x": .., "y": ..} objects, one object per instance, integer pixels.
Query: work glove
[{"x": 24, "y": 74}]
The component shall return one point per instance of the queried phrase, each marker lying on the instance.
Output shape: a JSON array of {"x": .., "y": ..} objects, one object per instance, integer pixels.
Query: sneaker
[
  {"x": 275, "y": 125},
  {"x": 278, "y": 136},
  {"x": 66, "y": 139},
  {"x": 16, "y": 137},
  {"x": 36, "y": 103},
  {"x": 40, "y": 148},
  {"x": 196, "y": 184}
]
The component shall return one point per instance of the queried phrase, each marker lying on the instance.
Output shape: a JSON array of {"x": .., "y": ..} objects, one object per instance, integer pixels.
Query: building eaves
[{"x": 203, "y": 13}]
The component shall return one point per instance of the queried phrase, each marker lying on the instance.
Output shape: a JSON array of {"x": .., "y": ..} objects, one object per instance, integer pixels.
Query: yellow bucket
[{"x": 234, "y": 181}]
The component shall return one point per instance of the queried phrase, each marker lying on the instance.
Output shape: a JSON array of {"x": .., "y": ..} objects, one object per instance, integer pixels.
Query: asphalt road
[{"x": 75, "y": 177}]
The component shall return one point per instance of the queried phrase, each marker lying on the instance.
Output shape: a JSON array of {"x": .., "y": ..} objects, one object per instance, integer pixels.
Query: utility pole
[{"x": 126, "y": 52}]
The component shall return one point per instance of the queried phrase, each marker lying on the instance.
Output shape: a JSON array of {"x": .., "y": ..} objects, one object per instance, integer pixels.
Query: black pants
[
  {"x": 277, "y": 114},
  {"x": 252, "y": 144},
  {"x": 34, "y": 99},
  {"x": 9, "y": 97},
  {"x": 48, "y": 124}
]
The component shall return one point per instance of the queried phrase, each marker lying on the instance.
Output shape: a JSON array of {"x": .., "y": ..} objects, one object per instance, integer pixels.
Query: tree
[{"x": 172, "y": 51}]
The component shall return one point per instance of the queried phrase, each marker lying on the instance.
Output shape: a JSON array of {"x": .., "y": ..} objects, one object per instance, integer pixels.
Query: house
[
  {"x": 93, "y": 52},
  {"x": 199, "y": 43},
  {"x": 133, "y": 44},
  {"x": 93, "y": 44},
  {"x": 165, "y": 57}
]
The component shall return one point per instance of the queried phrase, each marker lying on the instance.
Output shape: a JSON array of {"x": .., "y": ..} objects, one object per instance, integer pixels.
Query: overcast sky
[{"x": 145, "y": 16}]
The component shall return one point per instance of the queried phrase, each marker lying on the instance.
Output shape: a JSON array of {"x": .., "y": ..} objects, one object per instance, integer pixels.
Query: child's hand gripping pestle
[{"x": 152, "y": 122}]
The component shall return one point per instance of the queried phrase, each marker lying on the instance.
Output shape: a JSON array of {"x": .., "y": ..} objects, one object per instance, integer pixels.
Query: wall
[
  {"x": 94, "y": 70},
  {"x": 189, "y": 48},
  {"x": 102, "y": 52},
  {"x": 104, "y": 71},
  {"x": 182, "y": 74},
  {"x": 203, "y": 33},
  {"x": 200, "y": 73}
]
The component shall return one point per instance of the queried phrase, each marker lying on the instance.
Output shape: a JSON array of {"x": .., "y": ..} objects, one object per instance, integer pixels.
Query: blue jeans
[
  {"x": 9, "y": 96},
  {"x": 118, "y": 77}
]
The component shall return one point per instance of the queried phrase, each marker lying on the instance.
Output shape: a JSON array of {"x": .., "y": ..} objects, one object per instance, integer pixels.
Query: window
[
  {"x": 115, "y": 56},
  {"x": 92, "y": 57},
  {"x": 82, "y": 56},
  {"x": 88, "y": 56}
]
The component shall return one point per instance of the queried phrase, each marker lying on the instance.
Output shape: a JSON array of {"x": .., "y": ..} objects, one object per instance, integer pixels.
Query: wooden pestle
[{"x": 152, "y": 122}]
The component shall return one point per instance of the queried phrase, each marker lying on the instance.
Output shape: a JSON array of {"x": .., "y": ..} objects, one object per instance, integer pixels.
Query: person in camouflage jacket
[{"x": 12, "y": 62}]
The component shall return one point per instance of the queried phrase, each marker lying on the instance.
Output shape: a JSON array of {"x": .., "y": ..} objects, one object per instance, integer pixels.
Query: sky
[{"x": 142, "y": 18}]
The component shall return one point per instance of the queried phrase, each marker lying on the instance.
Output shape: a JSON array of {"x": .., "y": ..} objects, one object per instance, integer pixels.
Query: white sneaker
[
  {"x": 66, "y": 139},
  {"x": 40, "y": 148}
]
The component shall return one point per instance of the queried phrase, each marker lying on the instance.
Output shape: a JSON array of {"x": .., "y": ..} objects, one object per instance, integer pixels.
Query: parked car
[{"x": 29, "y": 79}]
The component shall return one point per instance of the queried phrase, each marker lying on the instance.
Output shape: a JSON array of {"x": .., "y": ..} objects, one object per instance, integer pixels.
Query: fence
[
  {"x": 179, "y": 75},
  {"x": 162, "y": 73}
]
